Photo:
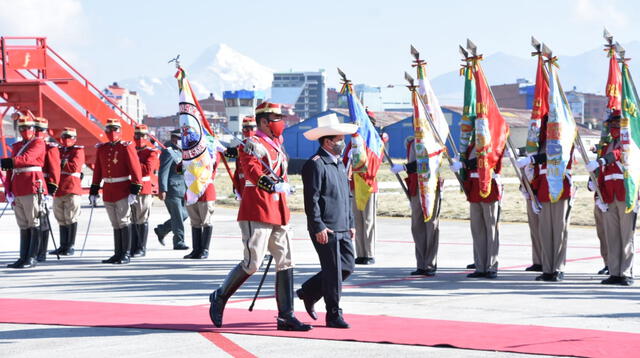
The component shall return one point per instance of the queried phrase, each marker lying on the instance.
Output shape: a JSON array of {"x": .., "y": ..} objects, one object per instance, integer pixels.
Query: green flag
[
  {"x": 630, "y": 138},
  {"x": 468, "y": 121}
]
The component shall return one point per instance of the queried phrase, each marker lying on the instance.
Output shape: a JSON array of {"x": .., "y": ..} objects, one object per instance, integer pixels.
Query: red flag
[
  {"x": 491, "y": 132},
  {"x": 540, "y": 109},
  {"x": 614, "y": 83}
]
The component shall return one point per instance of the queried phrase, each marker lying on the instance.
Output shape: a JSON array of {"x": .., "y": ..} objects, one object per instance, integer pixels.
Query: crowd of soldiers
[{"x": 128, "y": 175}]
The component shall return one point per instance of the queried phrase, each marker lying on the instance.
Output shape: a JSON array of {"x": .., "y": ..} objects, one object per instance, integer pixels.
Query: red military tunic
[
  {"x": 471, "y": 184},
  {"x": 71, "y": 163},
  {"x": 118, "y": 164},
  {"x": 238, "y": 175},
  {"x": 51, "y": 167},
  {"x": 258, "y": 204},
  {"x": 149, "y": 164},
  {"x": 611, "y": 177},
  {"x": 541, "y": 187},
  {"x": 26, "y": 176}
]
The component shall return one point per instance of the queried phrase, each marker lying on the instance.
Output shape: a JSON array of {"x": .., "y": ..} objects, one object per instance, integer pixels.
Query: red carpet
[{"x": 365, "y": 328}]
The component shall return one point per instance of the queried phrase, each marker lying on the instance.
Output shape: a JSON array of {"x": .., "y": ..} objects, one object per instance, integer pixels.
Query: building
[
  {"x": 517, "y": 95},
  {"x": 305, "y": 91},
  {"x": 333, "y": 98},
  {"x": 213, "y": 105},
  {"x": 239, "y": 104},
  {"x": 129, "y": 101}
]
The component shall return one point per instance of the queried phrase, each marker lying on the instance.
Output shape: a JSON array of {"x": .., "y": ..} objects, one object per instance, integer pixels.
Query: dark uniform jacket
[
  {"x": 169, "y": 180},
  {"x": 327, "y": 198}
]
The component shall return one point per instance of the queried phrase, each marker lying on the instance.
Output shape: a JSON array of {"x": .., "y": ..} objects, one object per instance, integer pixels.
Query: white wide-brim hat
[{"x": 330, "y": 125}]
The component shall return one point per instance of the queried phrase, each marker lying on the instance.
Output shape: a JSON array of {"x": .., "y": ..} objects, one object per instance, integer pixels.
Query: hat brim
[{"x": 336, "y": 129}]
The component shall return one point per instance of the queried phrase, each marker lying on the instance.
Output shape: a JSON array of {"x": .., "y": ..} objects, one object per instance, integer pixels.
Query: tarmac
[{"x": 163, "y": 277}]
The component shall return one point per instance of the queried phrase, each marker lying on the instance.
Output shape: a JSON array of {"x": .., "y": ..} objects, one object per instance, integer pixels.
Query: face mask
[
  {"x": 248, "y": 132},
  {"x": 27, "y": 134},
  {"x": 338, "y": 147},
  {"x": 114, "y": 136},
  {"x": 276, "y": 128},
  {"x": 615, "y": 132},
  {"x": 68, "y": 142}
]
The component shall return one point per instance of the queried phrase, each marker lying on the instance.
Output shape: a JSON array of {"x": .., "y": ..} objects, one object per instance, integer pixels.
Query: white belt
[
  {"x": 614, "y": 177},
  {"x": 27, "y": 169},
  {"x": 248, "y": 183},
  {"x": 544, "y": 171},
  {"x": 115, "y": 180},
  {"x": 476, "y": 175},
  {"x": 77, "y": 175},
  {"x": 146, "y": 178}
]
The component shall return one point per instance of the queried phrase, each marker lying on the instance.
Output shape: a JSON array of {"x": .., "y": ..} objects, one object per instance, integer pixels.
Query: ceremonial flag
[
  {"x": 491, "y": 131},
  {"x": 540, "y": 108},
  {"x": 366, "y": 149},
  {"x": 561, "y": 134},
  {"x": 468, "y": 121},
  {"x": 198, "y": 142},
  {"x": 630, "y": 138},
  {"x": 614, "y": 82}
]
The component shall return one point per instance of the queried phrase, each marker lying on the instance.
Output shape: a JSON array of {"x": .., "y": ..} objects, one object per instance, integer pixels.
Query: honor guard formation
[{"x": 340, "y": 190}]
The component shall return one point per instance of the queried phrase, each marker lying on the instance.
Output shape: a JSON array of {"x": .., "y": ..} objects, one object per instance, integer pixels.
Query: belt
[
  {"x": 27, "y": 170},
  {"x": 614, "y": 177},
  {"x": 544, "y": 171},
  {"x": 146, "y": 178},
  {"x": 476, "y": 175},
  {"x": 115, "y": 180},
  {"x": 248, "y": 183},
  {"x": 77, "y": 175}
]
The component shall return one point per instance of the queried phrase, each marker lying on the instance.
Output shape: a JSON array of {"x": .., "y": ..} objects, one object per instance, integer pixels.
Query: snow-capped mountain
[{"x": 219, "y": 68}]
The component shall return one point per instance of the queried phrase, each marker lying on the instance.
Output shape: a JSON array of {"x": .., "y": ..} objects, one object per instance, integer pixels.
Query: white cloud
[{"x": 607, "y": 12}]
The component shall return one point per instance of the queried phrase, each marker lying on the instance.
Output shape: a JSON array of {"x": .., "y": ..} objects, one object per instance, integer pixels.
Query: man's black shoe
[
  {"x": 604, "y": 271},
  {"x": 334, "y": 319},
  {"x": 160, "y": 236},
  {"x": 612, "y": 280},
  {"x": 292, "y": 324},
  {"x": 626, "y": 281},
  {"x": 180, "y": 246},
  {"x": 308, "y": 305},
  {"x": 471, "y": 266},
  {"x": 370, "y": 261},
  {"x": 544, "y": 277},
  {"x": 361, "y": 260},
  {"x": 534, "y": 267},
  {"x": 492, "y": 274},
  {"x": 419, "y": 272},
  {"x": 477, "y": 274},
  {"x": 557, "y": 276}
]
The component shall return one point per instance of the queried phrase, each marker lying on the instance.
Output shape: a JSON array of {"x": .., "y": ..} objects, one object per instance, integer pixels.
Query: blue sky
[{"x": 369, "y": 40}]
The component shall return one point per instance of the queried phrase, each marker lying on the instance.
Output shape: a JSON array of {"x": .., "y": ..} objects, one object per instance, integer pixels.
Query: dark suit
[
  {"x": 327, "y": 203},
  {"x": 173, "y": 184}
]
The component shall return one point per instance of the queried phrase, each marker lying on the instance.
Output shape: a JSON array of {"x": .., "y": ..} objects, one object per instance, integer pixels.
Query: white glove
[
  {"x": 602, "y": 206},
  {"x": 10, "y": 198},
  {"x": 529, "y": 172},
  {"x": 523, "y": 162},
  {"x": 218, "y": 146},
  {"x": 93, "y": 200},
  {"x": 593, "y": 165},
  {"x": 238, "y": 196},
  {"x": 48, "y": 201},
  {"x": 455, "y": 166},
  {"x": 524, "y": 192},
  {"x": 397, "y": 168},
  {"x": 283, "y": 187},
  {"x": 637, "y": 207},
  {"x": 534, "y": 206},
  {"x": 131, "y": 199},
  {"x": 591, "y": 185}
]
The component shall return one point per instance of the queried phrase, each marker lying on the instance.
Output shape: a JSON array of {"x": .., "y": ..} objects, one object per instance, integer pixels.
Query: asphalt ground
[{"x": 163, "y": 277}]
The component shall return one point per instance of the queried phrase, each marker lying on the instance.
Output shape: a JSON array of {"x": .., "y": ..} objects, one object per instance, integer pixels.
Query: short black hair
[
  {"x": 321, "y": 139},
  {"x": 261, "y": 116}
]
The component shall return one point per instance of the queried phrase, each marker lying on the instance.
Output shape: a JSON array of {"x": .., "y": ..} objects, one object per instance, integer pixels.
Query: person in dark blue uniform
[{"x": 327, "y": 203}]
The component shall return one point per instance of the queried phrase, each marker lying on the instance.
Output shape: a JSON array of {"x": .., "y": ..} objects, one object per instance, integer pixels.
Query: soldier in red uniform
[
  {"x": 118, "y": 166},
  {"x": 263, "y": 218},
  {"x": 619, "y": 225},
  {"x": 51, "y": 172},
  {"x": 66, "y": 201},
  {"x": 248, "y": 130},
  {"x": 25, "y": 182},
  {"x": 150, "y": 164},
  {"x": 483, "y": 216}
]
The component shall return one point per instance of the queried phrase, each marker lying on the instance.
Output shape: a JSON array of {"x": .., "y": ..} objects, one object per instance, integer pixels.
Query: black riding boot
[
  {"x": 205, "y": 241},
  {"x": 64, "y": 232},
  {"x": 133, "y": 231},
  {"x": 44, "y": 242},
  {"x": 34, "y": 246},
  {"x": 117, "y": 247},
  {"x": 71, "y": 239},
  {"x": 139, "y": 245},
  {"x": 196, "y": 238},
  {"x": 125, "y": 239},
  {"x": 219, "y": 297},
  {"x": 24, "y": 249},
  {"x": 287, "y": 321}
]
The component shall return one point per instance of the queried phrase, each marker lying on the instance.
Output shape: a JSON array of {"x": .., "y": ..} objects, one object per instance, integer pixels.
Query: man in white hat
[{"x": 330, "y": 221}]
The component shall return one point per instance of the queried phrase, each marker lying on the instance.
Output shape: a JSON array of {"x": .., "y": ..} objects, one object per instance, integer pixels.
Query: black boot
[
  {"x": 71, "y": 239},
  {"x": 64, "y": 232},
  {"x": 309, "y": 304},
  {"x": 24, "y": 249},
  {"x": 34, "y": 246},
  {"x": 219, "y": 297},
  {"x": 133, "y": 231},
  {"x": 204, "y": 242},
  {"x": 196, "y": 238},
  {"x": 139, "y": 246},
  {"x": 125, "y": 238},
  {"x": 44, "y": 242},
  {"x": 117, "y": 247},
  {"x": 335, "y": 320},
  {"x": 287, "y": 321}
]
